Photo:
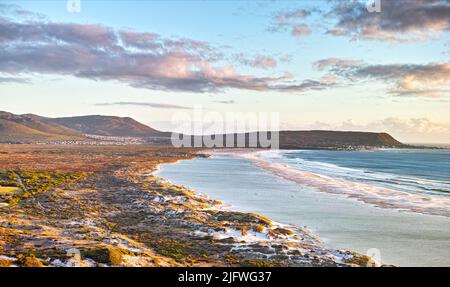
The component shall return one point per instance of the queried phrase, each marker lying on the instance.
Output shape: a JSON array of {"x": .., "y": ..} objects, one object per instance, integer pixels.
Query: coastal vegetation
[{"x": 21, "y": 184}]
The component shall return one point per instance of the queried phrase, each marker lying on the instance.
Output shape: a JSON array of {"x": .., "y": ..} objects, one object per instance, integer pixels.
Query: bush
[
  {"x": 30, "y": 261},
  {"x": 173, "y": 249}
]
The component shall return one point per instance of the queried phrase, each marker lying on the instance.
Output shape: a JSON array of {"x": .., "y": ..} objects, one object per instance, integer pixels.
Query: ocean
[
  {"x": 410, "y": 170},
  {"x": 395, "y": 202}
]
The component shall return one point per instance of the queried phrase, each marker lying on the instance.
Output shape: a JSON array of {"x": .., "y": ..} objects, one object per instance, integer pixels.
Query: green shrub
[{"x": 173, "y": 249}]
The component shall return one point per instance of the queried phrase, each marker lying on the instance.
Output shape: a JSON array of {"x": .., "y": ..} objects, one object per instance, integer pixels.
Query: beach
[{"x": 403, "y": 237}]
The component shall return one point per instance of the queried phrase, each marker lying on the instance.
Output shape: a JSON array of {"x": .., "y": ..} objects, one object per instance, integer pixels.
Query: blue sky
[{"x": 377, "y": 74}]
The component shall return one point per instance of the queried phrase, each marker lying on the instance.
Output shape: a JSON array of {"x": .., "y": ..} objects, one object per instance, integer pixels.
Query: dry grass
[{"x": 10, "y": 190}]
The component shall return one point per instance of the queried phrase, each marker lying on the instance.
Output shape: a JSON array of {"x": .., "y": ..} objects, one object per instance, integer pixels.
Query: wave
[
  {"x": 390, "y": 180},
  {"x": 383, "y": 195}
]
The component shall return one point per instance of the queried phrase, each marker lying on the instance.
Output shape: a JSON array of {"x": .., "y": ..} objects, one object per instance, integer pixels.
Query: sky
[{"x": 333, "y": 65}]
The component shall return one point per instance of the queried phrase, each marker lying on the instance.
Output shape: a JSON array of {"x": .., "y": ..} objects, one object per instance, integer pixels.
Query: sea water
[
  {"x": 403, "y": 238},
  {"x": 410, "y": 170}
]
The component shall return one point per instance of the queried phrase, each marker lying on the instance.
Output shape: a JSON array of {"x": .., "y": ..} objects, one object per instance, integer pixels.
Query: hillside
[
  {"x": 317, "y": 139},
  {"x": 107, "y": 126},
  {"x": 12, "y": 132},
  {"x": 39, "y": 123},
  {"x": 29, "y": 128}
]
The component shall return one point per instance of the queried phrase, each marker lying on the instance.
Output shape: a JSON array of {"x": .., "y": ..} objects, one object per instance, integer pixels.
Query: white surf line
[
  {"x": 300, "y": 234},
  {"x": 374, "y": 195}
]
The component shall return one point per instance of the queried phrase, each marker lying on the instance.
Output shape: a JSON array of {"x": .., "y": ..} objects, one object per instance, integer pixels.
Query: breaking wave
[{"x": 385, "y": 190}]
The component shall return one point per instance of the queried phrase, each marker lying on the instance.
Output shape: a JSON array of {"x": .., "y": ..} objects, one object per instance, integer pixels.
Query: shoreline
[
  {"x": 368, "y": 194},
  {"x": 340, "y": 222},
  {"x": 290, "y": 236}
]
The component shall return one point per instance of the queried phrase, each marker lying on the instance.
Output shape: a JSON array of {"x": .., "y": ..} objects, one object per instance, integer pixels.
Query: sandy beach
[{"x": 339, "y": 220}]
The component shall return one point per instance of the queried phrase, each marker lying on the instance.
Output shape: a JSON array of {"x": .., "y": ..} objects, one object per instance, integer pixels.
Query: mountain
[
  {"x": 31, "y": 128},
  {"x": 39, "y": 123},
  {"x": 12, "y": 132},
  {"x": 341, "y": 139},
  {"x": 107, "y": 126},
  {"x": 315, "y": 139}
]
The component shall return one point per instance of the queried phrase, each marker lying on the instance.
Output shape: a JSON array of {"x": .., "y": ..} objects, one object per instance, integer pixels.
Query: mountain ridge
[
  {"x": 30, "y": 128},
  {"x": 107, "y": 126}
]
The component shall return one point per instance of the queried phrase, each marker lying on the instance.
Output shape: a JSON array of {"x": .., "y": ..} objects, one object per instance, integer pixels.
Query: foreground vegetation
[{"x": 18, "y": 185}]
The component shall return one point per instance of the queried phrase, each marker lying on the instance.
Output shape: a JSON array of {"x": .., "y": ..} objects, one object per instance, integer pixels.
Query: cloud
[
  {"x": 399, "y": 20},
  {"x": 424, "y": 80},
  {"x": 293, "y": 21},
  {"x": 413, "y": 125},
  {"x": 419, "y": 130},
  {"x": 429, "y": 80},
  {"x": 290, "y": 16},
  {"x": 140, "y": 59},
  {"x": 390, "y": 124},
  {"x": 151, "y": 105},
  {"x": 336, "y": 63},
  {"x": 317, "y": 85},
  {"x": 154, "y": 42},
  {"x": 258, "y": 61},
  {"x": 141, "y": 40},
  {"x": 299, "y": 30},
  {"x": 16, "y": 10},
  {"x": 7, "y": 80}
]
